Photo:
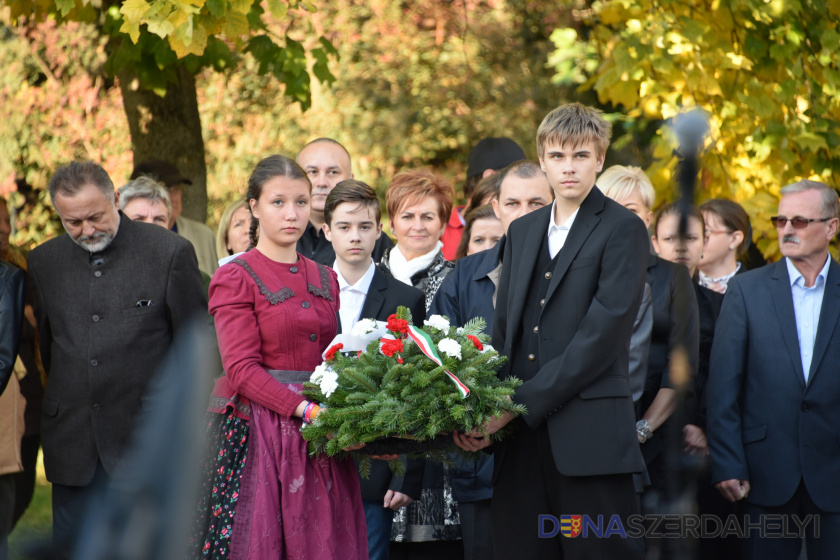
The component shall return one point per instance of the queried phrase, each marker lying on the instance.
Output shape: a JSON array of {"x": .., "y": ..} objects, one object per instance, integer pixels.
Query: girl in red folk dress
[{"x": 275, "y": 312}]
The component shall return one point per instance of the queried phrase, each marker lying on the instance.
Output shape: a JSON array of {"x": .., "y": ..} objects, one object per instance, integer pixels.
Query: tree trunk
[{"x": 169, "y": 128}]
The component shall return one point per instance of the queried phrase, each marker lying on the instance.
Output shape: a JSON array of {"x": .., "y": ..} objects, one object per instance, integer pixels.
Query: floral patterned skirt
[{"x": 285, "y": 504}]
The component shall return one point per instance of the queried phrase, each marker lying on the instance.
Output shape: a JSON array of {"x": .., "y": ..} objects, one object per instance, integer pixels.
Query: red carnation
[
  {"x": 391, "y": 346},
  {"x": 397, "y": 325},
  {"x": 333, "y": 349},
  {"x": 476, "y": 342}
]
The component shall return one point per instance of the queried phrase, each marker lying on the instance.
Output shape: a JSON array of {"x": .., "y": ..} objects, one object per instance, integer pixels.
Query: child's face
[
  {"x": 571, "y": 171},
  {"x": 353, "y": 232}
]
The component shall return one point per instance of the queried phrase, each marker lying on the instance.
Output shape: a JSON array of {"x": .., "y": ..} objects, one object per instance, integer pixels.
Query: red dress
[{"x": 275, "y": 316}]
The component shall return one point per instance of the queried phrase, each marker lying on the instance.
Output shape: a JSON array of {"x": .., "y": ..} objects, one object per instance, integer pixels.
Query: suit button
[
  {"x": 805, "y": 407},
  {"x": 313, "y": 337},
  {"x": 542, "y": 303},
  {"x": 305, "y": 305},
  {"x": 96, "y": 318},
  {"x": 97, "y": 408},
  {"x": 536, "y": 329},
  {"x": 548, "y": 276},
  {"x": 293, "y": 269},
  {"x": 98, "y": 273},
  {"x": 531, "y": 357},
  {"x": 94, "y": 363}
]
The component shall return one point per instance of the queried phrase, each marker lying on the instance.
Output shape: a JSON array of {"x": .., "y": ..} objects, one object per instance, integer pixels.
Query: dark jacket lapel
[
  {"x": 521, "y": 277},
  {"x": 375, "y": 296},
  {"x": 829, "y": 314},
  {"x": 783, "y": 301},
  {"x": 585, "y": 222}
]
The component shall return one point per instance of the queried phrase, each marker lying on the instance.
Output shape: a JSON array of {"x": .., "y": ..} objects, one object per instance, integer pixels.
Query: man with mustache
[
  {"x": 774, "y": 389},
  {"x": 110, "y": 297},
  {"x": 326, "y": 163}
]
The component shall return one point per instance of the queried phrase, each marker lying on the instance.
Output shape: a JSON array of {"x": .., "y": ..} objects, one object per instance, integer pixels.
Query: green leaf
[
  {"x": 217, "y": 8},
  {"x": 811, "y": 141},
  {"x": 278, "y": 8},
  {"x": 65, "y": 6}
]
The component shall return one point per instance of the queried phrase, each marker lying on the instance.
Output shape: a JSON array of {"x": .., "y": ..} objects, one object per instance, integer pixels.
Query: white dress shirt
[
  {"x": 557, "y": 234},
  {"x": 807, "y": 303},
  {"x": 353, "y": 297}
]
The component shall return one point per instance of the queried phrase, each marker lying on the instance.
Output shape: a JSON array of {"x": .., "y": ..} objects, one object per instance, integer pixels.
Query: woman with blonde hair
[
  {"x": 670, "y": 284},
  {"x": 232, "y": 234}
]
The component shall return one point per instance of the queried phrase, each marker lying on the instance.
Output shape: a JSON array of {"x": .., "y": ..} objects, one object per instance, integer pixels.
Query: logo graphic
[{"x": 570, "y": 525}]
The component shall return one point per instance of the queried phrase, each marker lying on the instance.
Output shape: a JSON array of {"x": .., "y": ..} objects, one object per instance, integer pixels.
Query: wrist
[
  {"x": 643, "y": 430},
  {"x": 310, "y": 412}
]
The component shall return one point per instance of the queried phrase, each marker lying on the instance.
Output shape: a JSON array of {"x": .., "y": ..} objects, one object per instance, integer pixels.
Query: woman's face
[
  {"x": 418, "y": 227},
  {"x": 635, "y": 204},
  {"x": 485, "y": 233},
  {"x": 720, "y": 239},
  {"x": 670, "y": 247},
  {"x": 237, "y": 239},
  {"x": 283, "y": 211}
]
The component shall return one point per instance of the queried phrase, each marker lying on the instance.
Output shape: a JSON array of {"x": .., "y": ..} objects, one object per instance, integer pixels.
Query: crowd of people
[{"x": 639, "y": 337}]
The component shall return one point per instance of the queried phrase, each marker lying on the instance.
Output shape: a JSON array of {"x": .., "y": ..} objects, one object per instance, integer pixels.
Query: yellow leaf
[
  {"x": 132, "y": 29},
  {"x": 160, "y": 28},
  {"x": 134, "y": 10},
  {"x": 236, "y": 25},
  {"x": 178, "y": 18},
  {"x": 241, "y": 6}
]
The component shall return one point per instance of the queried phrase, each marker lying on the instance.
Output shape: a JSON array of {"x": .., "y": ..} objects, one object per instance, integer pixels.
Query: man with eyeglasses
[{"x": 774, "y": 385}]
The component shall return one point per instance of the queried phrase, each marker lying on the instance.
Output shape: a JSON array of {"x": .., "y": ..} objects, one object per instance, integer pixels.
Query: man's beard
[{"x": 94, "y": 243}]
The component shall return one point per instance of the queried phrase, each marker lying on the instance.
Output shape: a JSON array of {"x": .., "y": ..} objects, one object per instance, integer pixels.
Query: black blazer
[
  {"x": 11, "y": 318},
  {"x": 99, "y": 347},
  {"x": 384, "y": 296},
  {"x": 581, "y": 390}
]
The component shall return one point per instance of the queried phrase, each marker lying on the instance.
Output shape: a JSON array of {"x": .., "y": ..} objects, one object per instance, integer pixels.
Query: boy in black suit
[
  {"x": 572, "y": 280},
  {"x": 352, "y": 213}
]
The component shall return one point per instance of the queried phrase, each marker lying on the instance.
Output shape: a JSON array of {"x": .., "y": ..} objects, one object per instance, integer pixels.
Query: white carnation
[
  {"x": 319, "y": 372},
  {"x": 489, "y": 348},
  {"x": 363, "y": 327},
  {"x": 329, "y": 383},
  {"x": 450, "y": 347},
  {"x": 439, "y": 322},
  {"x": 459, "y": 331}
]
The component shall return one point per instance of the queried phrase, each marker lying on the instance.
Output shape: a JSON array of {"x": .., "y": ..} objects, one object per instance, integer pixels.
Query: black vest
[{"x": 525, "y": 359}]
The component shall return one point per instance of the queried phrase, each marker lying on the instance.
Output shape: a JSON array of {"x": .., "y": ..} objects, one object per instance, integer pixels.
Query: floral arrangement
[{"x": 415, "y": 383}]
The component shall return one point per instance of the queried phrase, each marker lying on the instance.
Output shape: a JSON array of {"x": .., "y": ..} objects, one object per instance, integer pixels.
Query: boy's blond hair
[{"x": 572, "y": 125}]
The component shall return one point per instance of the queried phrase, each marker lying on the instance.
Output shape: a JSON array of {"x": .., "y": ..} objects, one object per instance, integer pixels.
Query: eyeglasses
[{"x": 797, "y": 222}]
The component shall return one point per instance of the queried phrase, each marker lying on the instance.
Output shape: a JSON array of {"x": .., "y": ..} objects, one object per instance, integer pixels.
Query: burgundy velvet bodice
[{"x": 271, "y": 315}]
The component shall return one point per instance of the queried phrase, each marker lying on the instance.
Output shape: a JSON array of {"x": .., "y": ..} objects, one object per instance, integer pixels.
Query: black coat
[
  {"x": 580, "y": 391},
  {"x": 11, "y": 318},
  {"x": 99, "y": 344}
]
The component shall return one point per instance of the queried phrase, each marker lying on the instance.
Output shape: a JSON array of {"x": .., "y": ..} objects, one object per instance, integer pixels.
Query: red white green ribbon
[{"x": 427, "y": 346}]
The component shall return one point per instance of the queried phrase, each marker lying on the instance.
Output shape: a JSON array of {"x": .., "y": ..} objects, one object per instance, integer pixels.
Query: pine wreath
[{"x": 393, "y": 389}]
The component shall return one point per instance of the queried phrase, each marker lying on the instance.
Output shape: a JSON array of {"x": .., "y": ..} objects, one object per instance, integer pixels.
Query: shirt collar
[
  {"x": 362, "y": 286},
  {"x": 795, "y": 275},
  {"x": 567, "y": 225}
]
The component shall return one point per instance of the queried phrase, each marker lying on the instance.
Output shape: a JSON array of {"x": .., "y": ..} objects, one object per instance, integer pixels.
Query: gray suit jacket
[{"x": 99, "y": 348}]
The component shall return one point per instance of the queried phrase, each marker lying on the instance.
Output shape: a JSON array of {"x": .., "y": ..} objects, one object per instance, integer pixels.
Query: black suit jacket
[
  {"x": 384, "y": 296},
  {"x": 581, "y": 390},
  {"x": 99, "y": 348},
  {"x": 11, "y": 318},
  {"x": 765, "y": 423}
]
